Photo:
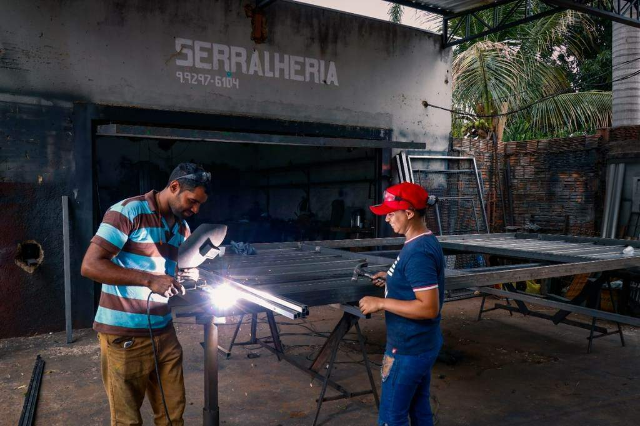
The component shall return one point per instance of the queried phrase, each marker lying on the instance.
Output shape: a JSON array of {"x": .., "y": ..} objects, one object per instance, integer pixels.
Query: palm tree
[{"x": 512, "y": 81}]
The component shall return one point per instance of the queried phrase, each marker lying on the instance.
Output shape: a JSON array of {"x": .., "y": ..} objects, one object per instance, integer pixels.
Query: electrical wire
[{"x": 155, "y": 360}]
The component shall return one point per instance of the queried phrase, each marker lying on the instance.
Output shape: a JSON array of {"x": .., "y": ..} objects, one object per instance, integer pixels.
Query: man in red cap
[{"x": 414, "y": 294}]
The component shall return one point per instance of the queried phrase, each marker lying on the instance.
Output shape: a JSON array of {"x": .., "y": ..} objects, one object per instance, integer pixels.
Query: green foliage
[
  {"x": 552, "y": 75},
  {"x": 395, "y": 13}
]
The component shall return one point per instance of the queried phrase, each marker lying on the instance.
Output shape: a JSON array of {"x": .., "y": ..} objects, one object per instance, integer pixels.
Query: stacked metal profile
[
  {"x": 287, "y": 278},
  {"x": 245, "y": 294}
]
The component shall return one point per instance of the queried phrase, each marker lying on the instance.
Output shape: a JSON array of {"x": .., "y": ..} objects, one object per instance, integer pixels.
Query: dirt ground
[{"x": 509, "y": 370}]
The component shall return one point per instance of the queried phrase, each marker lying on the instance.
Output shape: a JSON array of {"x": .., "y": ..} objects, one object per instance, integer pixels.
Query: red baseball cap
[{"x": 404, "y": 196}]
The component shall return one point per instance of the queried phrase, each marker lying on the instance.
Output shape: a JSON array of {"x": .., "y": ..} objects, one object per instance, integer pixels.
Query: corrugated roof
[{"x": 445, "y": 6}]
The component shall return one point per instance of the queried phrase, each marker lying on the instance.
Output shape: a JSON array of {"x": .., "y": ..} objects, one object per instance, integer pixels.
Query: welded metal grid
[{"x": 457, "y": 184}]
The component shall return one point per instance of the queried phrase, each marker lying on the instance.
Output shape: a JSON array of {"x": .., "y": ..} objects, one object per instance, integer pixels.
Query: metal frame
[
  {"x": 591, "y": 292},
  {"x": 467, "y": 25},
  {"x": 475, "y": 171},
  {"x": 622, "y": 11}
]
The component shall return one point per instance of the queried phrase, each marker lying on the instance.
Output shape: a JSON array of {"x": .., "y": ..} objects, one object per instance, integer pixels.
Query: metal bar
[
  {"x": 366, "y": 364},
  {"x": 230, "y": 261},
  {"x": 439, "y": 157},
  {"x": 67, "y": 268},
  {"x": 325, "y": 380},
  {"x": 591, "y": 10},
  {"x": 353, "y": 310},
  {"x": 211, "y": 411},
  {"x": 277, "y": 344},
  {"x": 286, "y": 308},
  {"x": 267, "y": 304},
  {"x": 593, "y": 240},
  {"x": 480, "y": 192},
  {"x": 475, "y": 215},
  {"x": 465, "y": 247},
  {"x": 356, "y": 256},
  {"x": 304, "y": 267},
  {"x": 542, "y": 315},
  {"x": 512, "y": 290},
  {"x": 550, "y": 271},
  {"x": 595, "y": 313},
  {"x": 437, "y": 210},
  {"x": 451, "y": 42},
  {"x": 31, "y": 399},
  {"x": 227, "y": 352},
  {"x": 617, "y": 196},
  {"x": 130, "y": 131},
  {"x": 341, "y": 329},
  {"x": 443, "y": 171}
]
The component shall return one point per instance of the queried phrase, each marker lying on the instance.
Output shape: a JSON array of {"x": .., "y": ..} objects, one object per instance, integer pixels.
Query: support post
[
  {"x": 211, "y": 409},
  {"x": 67, "y": 268}
]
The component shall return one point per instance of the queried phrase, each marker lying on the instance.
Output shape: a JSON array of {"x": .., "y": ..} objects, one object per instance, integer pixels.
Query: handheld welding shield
[{"x": 203, "y": 244}]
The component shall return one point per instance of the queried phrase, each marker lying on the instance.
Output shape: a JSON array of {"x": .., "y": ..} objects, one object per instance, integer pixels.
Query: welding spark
[{"x": 223, "y": 296}]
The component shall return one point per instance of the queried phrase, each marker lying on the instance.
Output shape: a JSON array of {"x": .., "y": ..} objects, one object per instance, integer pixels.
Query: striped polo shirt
[{"x": 135, "y": 232}]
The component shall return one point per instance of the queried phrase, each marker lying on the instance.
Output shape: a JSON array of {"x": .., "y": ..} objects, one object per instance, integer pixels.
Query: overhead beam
[
  {"x": 624, "y": 12},
  {"x": 470, "y": 24},
  {"x": 133, "y": 131}
]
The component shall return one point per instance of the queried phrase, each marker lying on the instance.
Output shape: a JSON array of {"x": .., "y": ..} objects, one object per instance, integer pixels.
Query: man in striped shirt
[{"x": 135, "y": 255}]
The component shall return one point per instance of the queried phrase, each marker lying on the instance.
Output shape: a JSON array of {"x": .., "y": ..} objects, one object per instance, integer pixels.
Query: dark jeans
[{"x": 405, "y": 389}]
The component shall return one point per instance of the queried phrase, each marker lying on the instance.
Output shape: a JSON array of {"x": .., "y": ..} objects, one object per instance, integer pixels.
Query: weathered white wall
[{"x": 124, "y": 52}]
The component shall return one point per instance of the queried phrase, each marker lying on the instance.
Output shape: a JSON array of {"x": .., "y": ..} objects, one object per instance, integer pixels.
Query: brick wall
[{"x": 552, "y": 183}]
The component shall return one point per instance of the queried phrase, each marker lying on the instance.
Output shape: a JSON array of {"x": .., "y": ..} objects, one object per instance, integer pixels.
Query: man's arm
[
  {"x": 425, "y": 306},
  {"x": 97, "y": 265}
]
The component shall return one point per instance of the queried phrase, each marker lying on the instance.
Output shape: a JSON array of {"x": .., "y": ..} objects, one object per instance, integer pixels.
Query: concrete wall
[
  {"x": 124, "y": 52},
  {"x": 54, "y": 53}
]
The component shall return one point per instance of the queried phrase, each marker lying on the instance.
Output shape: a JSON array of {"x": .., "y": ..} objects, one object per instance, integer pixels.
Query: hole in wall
[{"x": 29, "y": 255}]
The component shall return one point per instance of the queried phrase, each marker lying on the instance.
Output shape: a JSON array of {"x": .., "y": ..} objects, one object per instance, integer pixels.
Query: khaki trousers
[{"x": 128, "y": 372}]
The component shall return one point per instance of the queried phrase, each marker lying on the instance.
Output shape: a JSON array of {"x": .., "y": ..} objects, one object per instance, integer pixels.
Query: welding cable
[{"x": 155, "y": 360}]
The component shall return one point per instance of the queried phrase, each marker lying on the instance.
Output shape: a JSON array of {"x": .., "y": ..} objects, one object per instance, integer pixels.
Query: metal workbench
[{"x": 320, "y": 273}]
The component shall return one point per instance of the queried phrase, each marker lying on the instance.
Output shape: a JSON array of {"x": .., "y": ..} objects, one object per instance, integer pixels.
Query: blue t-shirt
[{"x": 419, "y": 267}]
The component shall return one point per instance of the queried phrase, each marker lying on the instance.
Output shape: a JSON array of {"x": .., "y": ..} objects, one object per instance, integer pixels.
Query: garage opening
[{"x": 262, "y": 192}]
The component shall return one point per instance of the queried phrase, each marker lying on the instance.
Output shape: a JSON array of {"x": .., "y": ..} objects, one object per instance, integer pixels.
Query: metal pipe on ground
[{"x": 31, "y": 399}]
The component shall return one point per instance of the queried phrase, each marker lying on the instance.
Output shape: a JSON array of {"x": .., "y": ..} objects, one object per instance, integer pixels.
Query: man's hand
[
  {"x": 380, "y": 279},
  {"x": 166, "y": 285},
  {"x": 192, "y": 274},
  {"x": 370, "y": 304}
]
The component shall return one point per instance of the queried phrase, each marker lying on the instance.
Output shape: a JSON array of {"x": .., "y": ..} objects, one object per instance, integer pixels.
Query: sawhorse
[{"x": 326, "y": 358}]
